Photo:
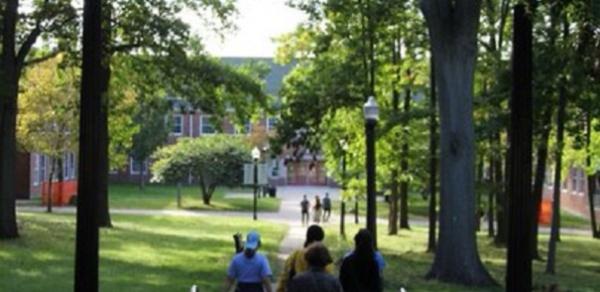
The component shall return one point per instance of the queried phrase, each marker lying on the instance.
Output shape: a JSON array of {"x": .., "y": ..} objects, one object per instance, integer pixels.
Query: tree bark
[
  {"x": 591, "y": 183},
  {"x": 540, "y": 175},
  {"x": 433, "y": 162},
  {"x": 518, "y": 267},
  {"x": 554, "y": 230},
  {"x": 453, "y": 30},
  {"x": 9, "y": 82},
  {"x": 103, "y": 206},
  {"x": 86, "y": 251},
  {"x": 393, "y": 215},
  {"x": 50, "y": 177},
  {"x": 404, "y": 165},
  {"x": 142, "y": 177}
]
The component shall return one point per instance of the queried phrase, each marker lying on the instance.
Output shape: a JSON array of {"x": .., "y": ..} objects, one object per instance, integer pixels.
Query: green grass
[
  {"x": 141, "y": 253},
  {"x": 130, "y": 196},
  {"x": 578, "y": 263}
]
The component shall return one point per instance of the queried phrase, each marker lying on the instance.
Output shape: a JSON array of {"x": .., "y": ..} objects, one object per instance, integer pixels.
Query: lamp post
[
  {"x": 371, "y": 112},
  {"x": 344, "y": 146},
  {"x": 255, "y": 157}
]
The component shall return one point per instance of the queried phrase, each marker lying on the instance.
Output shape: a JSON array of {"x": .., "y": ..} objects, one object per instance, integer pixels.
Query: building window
[
  {"x": 206, "y": 125},
  {"x": 134, "y": 166},
  {"x": 271, "y": 123},
  {"x": 177, "y": 128},
  {"x": 40, "y": 169},
  {"x": 69, "y": 166}
]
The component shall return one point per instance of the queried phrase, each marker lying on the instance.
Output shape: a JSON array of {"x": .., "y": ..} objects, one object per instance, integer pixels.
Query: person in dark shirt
[
  {"x": 305, "y": 206},
  {"x": 326, "y": 207},
  {"x": 316, "y": 279},
  {"x": 362, "y": 268}
]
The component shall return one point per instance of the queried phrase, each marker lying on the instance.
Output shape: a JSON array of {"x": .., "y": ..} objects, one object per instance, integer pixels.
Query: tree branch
[
  {"x": 41, "y": 59},
  {"x": 28, "y": 44},
  {"x": 124, "y": 47}
]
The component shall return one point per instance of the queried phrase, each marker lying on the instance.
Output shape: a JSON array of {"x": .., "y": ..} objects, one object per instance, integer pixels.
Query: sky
[{"x": 258, "y": 22}]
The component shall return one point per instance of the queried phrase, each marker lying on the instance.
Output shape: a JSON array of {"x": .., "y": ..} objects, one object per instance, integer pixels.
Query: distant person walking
[
  {"x": 326, "y": 207},
  {"x": 305, "y": 206},
  {"x": 362, "y": 269},
  {"x": 316, "y": 279},
  {"x": 318, "y": 210},
  {"x": 249, "y": 270},
  {"x": 296, "y": 262}
]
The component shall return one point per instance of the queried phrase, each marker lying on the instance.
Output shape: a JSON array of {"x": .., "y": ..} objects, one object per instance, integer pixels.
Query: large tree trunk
[
  {"x": 591, "y": 177},
  {"x": 518, "y": 267},
  {"x": 540, "y": 175},
  {"x": 9, "y": 84},
  {"x": 554, "y": 230},
  {"x": 433, "y": 162},
  {"x": 393, "y": 215},
  {"x": 86, "y": 251},
  {"x": 453, "y": 30},
  {"x": 404, "y": 165},
  {"x": 103, "y": 203}
]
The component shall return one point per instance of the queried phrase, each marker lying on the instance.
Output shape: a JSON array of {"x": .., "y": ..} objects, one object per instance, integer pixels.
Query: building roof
[{"x": 274, "y": 79}]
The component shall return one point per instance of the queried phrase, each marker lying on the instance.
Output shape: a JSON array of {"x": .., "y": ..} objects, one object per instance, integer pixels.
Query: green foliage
[
  {"x": 215, "y": 160},
  {"x": 48, "y": 120}
]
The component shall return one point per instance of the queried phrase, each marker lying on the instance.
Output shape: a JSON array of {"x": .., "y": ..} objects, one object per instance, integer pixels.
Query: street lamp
[
  {"x": 371, "y": 112},
  {"x": 344, "y": 146},
  {"x": 255, "y": 158}
]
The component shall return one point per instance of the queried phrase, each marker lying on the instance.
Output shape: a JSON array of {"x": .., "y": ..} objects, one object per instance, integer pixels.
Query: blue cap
[{"x": 252, "y": 240}]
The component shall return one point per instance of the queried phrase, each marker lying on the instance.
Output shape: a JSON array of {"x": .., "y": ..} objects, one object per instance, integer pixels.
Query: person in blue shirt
[{"x": 249, "y": 270}]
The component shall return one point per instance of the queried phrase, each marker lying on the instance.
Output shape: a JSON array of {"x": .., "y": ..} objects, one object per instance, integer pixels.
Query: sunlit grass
[
  {"x": 141, "y": 253},
  {"x": 578, "y": 262}
]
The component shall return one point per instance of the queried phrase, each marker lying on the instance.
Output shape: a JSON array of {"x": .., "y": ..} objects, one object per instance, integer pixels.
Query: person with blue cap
[{"x": 249, "y": 270}]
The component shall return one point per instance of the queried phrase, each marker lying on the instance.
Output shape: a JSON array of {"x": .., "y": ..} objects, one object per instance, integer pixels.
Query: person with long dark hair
[
  {"x": 318, "y": 210},
  {"x": 296, "y": 263},
  {"x": 316, "y": 278},
  {"x": 362, "y": 269},
  {"x": 249, "y": 270}
]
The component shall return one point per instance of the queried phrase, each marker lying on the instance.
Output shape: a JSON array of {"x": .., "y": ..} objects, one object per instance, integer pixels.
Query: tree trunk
[
  {"x": 404, "y": 165},
  {"x": 491, "y": 192},
  {"x": 103, "y": 206},
  {"x": 50, "y": 177},
  {"x": 540, "y": 175},
  {"x": 433, "y": 163},
  {"x": 179, "y": 195},
  {"x": 9, "y": 84},
  {"x": 393, "y": 215},
  {"x": 554, "y": 230},
  {"x": 142, "y": 176},
  {"x": 591, "y": 183},
  {"x": 518, "y": 267},
  {"x": 502, "y": 195},
  {"x": 86, "y": 251},
  {"x": 453, "y": 34}
]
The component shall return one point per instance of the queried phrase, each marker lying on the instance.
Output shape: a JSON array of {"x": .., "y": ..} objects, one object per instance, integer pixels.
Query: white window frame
[
  {"x": 202, "y": 117},
  {"x": 175, "y": 117},
  {"x": 133, "y": 163},
  {"x": 270, "y": 126}
]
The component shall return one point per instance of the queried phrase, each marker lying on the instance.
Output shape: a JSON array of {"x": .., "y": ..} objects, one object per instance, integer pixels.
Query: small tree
[
  {"x": 48, "y": 114},
  {"x": 214, "y": 161}
]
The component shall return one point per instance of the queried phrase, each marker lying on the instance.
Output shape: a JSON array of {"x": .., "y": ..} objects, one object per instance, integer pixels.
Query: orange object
[
  {"x": 62, "y": 192},
  {"x": 545, "y": 212}
]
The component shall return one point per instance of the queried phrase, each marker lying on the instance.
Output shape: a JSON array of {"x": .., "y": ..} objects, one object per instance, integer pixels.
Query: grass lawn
[
  {"x": 141, "y": 253},
  {"x": 578, "y": 263},
  {"x": 165, "y": 197}
]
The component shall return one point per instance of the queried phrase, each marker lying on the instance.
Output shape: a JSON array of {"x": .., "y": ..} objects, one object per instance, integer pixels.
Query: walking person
[
  {"x": 316, "y": 278},
  {"x": 326, "y": 207},
  {"x": 305, "y": 206},
  {"x": 362, "y": 269},
  {"x": 249, "y": 270},
  {"x": 296, "y": 262},
  {"x": 318, "y": 210}
]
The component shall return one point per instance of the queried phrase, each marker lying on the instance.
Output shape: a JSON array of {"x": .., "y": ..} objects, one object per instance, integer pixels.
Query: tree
[
  {"x": 215, "y": 161},
  {"x": 20, "y": 32},
  {"x": 453, "y": 30},
  {"x": 48, "y": 113},
  {"x": 518, "y": 270},
  {"x": 433, "y": 161}
]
